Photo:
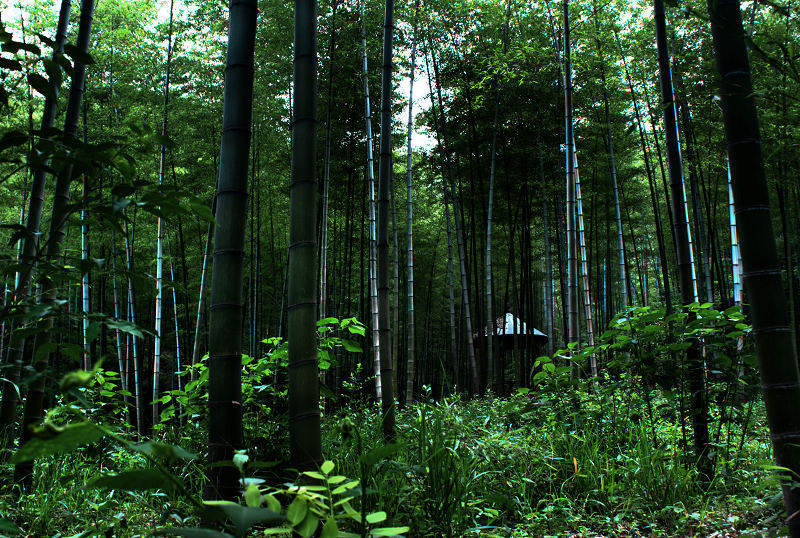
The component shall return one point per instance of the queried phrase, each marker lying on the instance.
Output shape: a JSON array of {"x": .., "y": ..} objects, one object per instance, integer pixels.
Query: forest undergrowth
[{"x": 534, "y": 464}]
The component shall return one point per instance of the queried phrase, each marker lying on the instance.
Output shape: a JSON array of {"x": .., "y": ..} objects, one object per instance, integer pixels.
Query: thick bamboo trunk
[
  {"x": 762, "y": 278},
  {"x": 225, "y": 316},
  {"x": 304, "y": 418}
]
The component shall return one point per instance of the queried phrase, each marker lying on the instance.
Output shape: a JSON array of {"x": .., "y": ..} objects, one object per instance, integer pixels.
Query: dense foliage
[{"x": 131, "y": 401}]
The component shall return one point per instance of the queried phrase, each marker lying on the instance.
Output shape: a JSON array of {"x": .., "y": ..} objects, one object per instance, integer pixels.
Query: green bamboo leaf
[
  {"x": 389, "y": 531},
  {"x": 50, "y": 440},
  {"x": 78, "y": 55},
  {"x": 135, "y": 480},
  {"x": 42, "y": 85},
  {"x": 376, "y": 517}
]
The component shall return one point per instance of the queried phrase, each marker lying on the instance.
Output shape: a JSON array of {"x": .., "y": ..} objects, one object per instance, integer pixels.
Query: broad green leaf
[
  {"x": 327, "y": 467},
  {"x": 330, "y": 529},
  {"x": 163, "y": 451},
  {"x": 78, "y": 55},
  {"x": 376, "y": 517},
  {"x": 136, "y": 480},
  {"x": 50, "y": 440},
  {"x": 297, "y": 511},
  {"x": 308, "y": 526},
  {"x": 272, "y": 503},
  {"x": 243, "y": 517},
  {"x": 9, "y": 527},
  {"x": 389, "y": 531},
  {"x": 314, "y": 474},
  {"x": 351, "y": 512},
  {"x": 351, "y": 346},
  {"x": 252, "y": 495},
  {"x": 345, "y": 487},
  {"x": 76, "y": 379},
  {"x": 380, "y": 453},
  {"x": 11, "y": 65}
]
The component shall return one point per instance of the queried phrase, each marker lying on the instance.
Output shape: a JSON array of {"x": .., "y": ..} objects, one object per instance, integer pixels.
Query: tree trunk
[
  {"x": 409, "y": 218},
  {"x": 373, "y": 268},
  {"x": 32, "y": 413},
  {"x": 225, "y": 319},
  {"x": 323, "y": 269},
  {"x": 160, "y": 238},
  {"x": 450, "y": 186},
  {"x": 686, "y": 272},
  {"x": 30, "y": 244},
  {"x": 304, "y": 418},
  {"x": 384, "y": 182},
  {"x": 762, "y": 278}
]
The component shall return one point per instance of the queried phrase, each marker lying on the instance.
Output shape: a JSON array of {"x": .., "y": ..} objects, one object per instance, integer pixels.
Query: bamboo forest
[{"x": 425, "y": 268}]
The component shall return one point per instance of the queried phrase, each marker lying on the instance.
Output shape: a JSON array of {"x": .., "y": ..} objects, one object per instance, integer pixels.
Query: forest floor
[{"x": 519, "y": 466}]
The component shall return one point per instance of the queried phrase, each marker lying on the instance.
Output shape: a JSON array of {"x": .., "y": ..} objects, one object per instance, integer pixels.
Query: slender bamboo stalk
[
  {"x": 443, "y": 169},
  {"x": 688, "y": 280},
  {"x": 160, "y": 237},
  {"x": 30, "y": 242},
  {"x": 85, "y": 308},
  {"x": 23, "y": 472},
  {"x": 323, "y": 270},
  {"x": 548, "y": 268},
  {"x": 410, "y": 335},
  {"x": 572, "y": 275},
  {"x": 201, "y": 295},
  {"x": 384, "y": 184},
  {"x": 373, "y": 271},
  {"x": 450, "y": 188},
  {"x": 736, "y": 259}
]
